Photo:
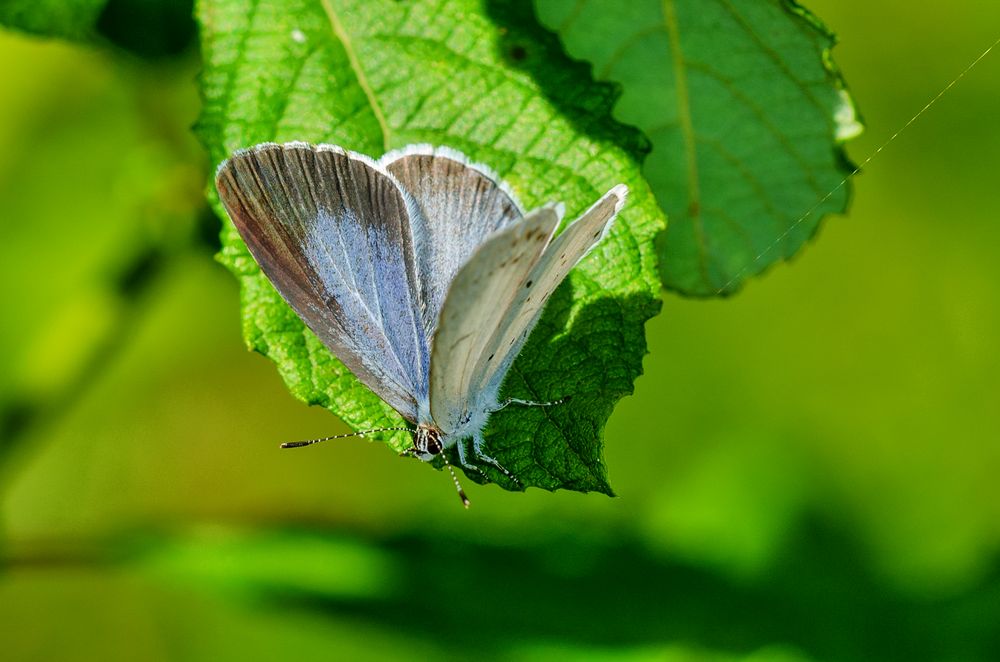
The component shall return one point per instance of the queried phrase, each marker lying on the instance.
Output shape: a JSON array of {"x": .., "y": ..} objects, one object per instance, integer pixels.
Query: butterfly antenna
[
  {"x": 454, "y": 478},
  {"x": 359, "y": 433}
]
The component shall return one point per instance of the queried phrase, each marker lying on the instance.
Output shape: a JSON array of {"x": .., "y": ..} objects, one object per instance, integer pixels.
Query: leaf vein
[{"x": 359, "y": 73}]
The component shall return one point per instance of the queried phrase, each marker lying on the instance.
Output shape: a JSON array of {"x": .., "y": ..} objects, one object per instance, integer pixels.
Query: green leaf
[
  {"x": 371, "y": 75},
  {"x": 747, "y": 115}
]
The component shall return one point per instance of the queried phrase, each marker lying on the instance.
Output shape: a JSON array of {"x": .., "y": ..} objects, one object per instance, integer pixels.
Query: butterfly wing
[
  {"x": 495, "y": 301},
  {"x": 479, "y": 297},
  {"x": 331, "y": 230},
  {"x": 461, "y": 204},
  {"x": 557, "y": 260}
]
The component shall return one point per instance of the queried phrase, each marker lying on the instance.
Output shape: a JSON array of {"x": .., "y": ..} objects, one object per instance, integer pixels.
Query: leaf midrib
[
  {"x": 687, "y": 130},
  {"x": 359, "y": 73}
]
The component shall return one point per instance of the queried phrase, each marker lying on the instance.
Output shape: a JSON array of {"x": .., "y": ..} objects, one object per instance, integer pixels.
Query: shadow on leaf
[
  {"x": 529, "y": 47},
  {"x": 571, "y": 353}
]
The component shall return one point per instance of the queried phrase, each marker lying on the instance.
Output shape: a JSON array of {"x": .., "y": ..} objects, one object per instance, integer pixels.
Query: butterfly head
[{"x": 427, "y": 442}]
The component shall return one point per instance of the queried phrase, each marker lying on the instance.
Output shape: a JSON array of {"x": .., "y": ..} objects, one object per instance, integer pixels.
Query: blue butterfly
[{"x": 420, "y": 272}]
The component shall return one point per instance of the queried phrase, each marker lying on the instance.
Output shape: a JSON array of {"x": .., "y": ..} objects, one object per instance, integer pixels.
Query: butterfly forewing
[
  {"x": 559, "y": 257},
  {"x": 477, "y": 301},
  {"x": 331, "y": 230},
  {"x": 461, "y": 204}
]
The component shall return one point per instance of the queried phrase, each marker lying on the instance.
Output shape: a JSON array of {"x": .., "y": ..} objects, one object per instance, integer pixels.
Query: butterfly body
[{"x": 419, "y": 271}]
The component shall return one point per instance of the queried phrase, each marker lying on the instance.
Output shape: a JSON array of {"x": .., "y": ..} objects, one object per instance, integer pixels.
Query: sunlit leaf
[{"x": 375, "y": 75}]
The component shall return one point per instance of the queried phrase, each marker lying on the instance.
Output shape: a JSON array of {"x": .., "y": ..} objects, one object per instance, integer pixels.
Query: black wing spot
[{"x": 529, "y": 283}]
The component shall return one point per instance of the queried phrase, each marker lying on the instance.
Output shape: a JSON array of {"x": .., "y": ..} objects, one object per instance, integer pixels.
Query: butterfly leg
[
  {"x": 528, "y": 403},
  {"x": 463, "y": 459},
  {"x": 478, "y": 442}
]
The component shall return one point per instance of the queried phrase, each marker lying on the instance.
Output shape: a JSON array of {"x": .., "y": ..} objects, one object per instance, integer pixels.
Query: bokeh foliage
[
  {"x": 150, "y": 29},
  {"x": 807, "y": 471}
]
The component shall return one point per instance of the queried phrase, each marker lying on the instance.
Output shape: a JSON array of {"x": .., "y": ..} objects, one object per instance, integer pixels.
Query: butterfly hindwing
[
  {"x": 461, "y": 204},
  {"x": 331, "y": 230},
  {"x": 556, "y": 261},
  {"x": 477, "y": 301}
]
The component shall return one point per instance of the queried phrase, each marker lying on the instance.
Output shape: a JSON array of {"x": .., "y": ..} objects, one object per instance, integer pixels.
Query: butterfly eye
[{"x": 428, "y": 441}]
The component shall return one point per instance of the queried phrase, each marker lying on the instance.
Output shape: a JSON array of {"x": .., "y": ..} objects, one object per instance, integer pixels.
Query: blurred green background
[{"x": 807, "y": 471}]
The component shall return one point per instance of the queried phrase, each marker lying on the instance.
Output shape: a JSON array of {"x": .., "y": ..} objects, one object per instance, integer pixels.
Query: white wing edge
[
  {"x": 426, "y": 149},
  {"x": 620, "y": 191},
  {"x": 412, "y": 209}
]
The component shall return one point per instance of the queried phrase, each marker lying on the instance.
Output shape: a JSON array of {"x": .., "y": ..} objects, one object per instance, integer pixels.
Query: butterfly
[{"x": 419, "y": 271}]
